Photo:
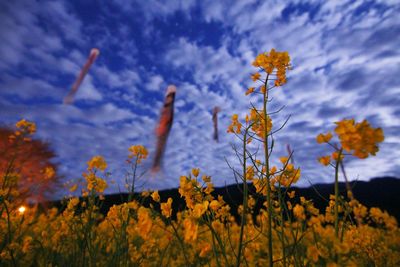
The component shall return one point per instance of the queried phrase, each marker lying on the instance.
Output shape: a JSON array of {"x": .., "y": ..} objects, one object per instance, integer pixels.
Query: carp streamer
[
  {"x": 164, "y": 126},
  {"x": 215, "y": 122},
  {"x": 94, "y": 53}
]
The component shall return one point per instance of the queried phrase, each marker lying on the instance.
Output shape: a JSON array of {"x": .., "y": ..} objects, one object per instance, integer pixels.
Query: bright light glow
[{"x": 21, "y": 209}]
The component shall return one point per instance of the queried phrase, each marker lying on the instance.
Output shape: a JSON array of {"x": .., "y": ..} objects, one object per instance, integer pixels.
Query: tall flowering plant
[
  {"x": 357, "y": 139},
  {"x": 258, "y": 127}
]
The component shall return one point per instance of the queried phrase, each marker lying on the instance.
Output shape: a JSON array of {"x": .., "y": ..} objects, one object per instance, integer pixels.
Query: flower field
[{"x": 284, "y": 232}]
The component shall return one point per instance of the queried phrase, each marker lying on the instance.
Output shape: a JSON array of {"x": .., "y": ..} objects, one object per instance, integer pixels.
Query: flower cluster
[
  {"x": 24, "y": 130},
  {"x": 235, "y": 126},
  {"x": 359, "y": 138},
  {"x": 97, "y": 162},
  {"x": 268, "y": 62},
  {"x": 26, "y": 126},
  {"x": 139, "y": 152},
  {"x": 257, "y": 122},
  {"x": 288, "y": 175},
  {"x": 94, "y": 182},
  {"x": 166, "y": 208}
]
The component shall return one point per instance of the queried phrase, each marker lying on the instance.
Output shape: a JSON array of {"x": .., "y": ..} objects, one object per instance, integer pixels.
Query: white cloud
[
  {"x": 155, "y": 83},
  {"x": 345, "y": 64}
]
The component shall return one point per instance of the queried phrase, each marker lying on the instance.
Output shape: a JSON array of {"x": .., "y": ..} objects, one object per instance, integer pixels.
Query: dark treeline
[{"x": 383, "y": 193}]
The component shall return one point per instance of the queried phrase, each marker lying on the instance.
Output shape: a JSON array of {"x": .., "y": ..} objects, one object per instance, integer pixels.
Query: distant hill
[{"x": 382, "y": 192}]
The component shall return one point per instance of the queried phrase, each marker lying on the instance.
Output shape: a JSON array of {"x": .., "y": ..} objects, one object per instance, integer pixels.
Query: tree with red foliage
[{"x": 26, "y": 164}]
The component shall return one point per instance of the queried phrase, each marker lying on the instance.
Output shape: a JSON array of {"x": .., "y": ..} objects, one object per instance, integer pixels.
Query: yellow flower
[
  {"x": 235, "y": 126},
  {"x": 249, "y": 173},
  {"x": 255, "y": 76},
  {"x": 73, "y": 188},
  {"x": 273, "y": 170},
  {"x": 155, "y": 196},
  {"x": 95, "y": 183},
  {"x": 360, "y": 138},
  {"x": 335, "y": 156},
  {"x": 27, "y": 244},
  {"x": 214, "y": 205},
  {"x": 191, "y": 229},
  {"x": 209, "y": 189},
  {"x": 73, "y": 202},
  {"x": 97, "y": 162},
  {"x": 195, "y": 172},
  {"x": 166, "y": 209},
  {"x": 144, "y": 223},
  {"x": 283, "y": 160},
  {"x": 205, "y": 250},
  {"x": 49, "y": 172},
  {"x": 279, "y": 61},
  {"x": 298, "y": 212},
  {"x": 291, "y": 194},
  {"x": 321, "y": 138},
  {"x": 145, "y": 194},
  {"x": 250, "y": 90},
  {"x": 258, "y": 122},
  {"x": 263, "y": 89},
  {"x": 26, "y": 126},
  {"x": 206, "y": 178},
  {"x": 289, "y": 176},
  {"x": 312, "y": 253},
  {"x": 325, "y": 160},
  {"x": 138, "y": 151},
  {"x": 200, "y": 209}
]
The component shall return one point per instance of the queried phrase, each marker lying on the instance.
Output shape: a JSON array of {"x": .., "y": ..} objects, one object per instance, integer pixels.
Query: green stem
[
  {"x": 245, "y": 196},
  {"x": 337, "y": 194},
  {"x": 220, "y": 243},
  {"x": 9, "y": 235},
  {"x": 181, "y": 243},
  {"x": 281, "y": 202},
  {"x": 269, "y": 226},
  {"x": 215, "y": 251},
  {"x": 132, "y": 191}
]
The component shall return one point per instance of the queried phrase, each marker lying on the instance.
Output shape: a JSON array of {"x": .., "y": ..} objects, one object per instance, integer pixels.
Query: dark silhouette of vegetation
[{"x": 380, "y": 192}]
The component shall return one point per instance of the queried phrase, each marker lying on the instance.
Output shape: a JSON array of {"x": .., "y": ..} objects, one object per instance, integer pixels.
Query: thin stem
[
  {"x": 269, "y": 226},
  {"x": 245, "y": 195},
  {"x": 337, "y": 194},
  {"x": 281, "y": 202},
  {"x": 181, "y": 243},
  {"x": 132, "y": 191}
]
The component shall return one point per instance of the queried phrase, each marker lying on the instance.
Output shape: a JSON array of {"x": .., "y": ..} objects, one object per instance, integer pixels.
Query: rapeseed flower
[
  {"x": 195, "y": 172},
  {"x": 97, "y": 162},
  {"x": 155, "y": 196},
  {"x": 273, "y": 60},
  {"x": 325, "y": 160},
  {"x": 359, "y": 138},
  {"x": 250, "y": 90},
  {"x": 235, "y": 126},
  {"x": 324, "y": 138},
  {"x": 166, "y": 208},
  {"x": 139, "y": 152},
  {"x": 255, "y": 76},
  {"x": 26, "y": 127}
]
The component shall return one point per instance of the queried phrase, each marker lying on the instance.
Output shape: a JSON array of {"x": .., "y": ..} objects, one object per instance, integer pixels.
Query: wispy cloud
[{"x": 345, "y": 56}]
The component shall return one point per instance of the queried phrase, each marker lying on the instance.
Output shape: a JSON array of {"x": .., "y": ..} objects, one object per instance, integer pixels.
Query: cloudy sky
[{"x": 345, "y": 57}]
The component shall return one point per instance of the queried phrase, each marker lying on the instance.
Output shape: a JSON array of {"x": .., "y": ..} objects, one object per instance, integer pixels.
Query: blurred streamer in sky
[
  {"x": 164, "y": 126},
  {"x": 215, "y": 122},
  {"x": 94, "y": 53}
]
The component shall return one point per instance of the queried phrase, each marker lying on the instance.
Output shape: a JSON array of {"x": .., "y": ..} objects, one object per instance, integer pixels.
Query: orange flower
[
  {"x": 321, "y": 138},
  {"x": 325, "y": 160}
]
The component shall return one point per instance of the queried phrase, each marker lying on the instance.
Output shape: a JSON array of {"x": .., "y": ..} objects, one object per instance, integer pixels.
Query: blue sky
[{"x": 345, "y": 57}]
